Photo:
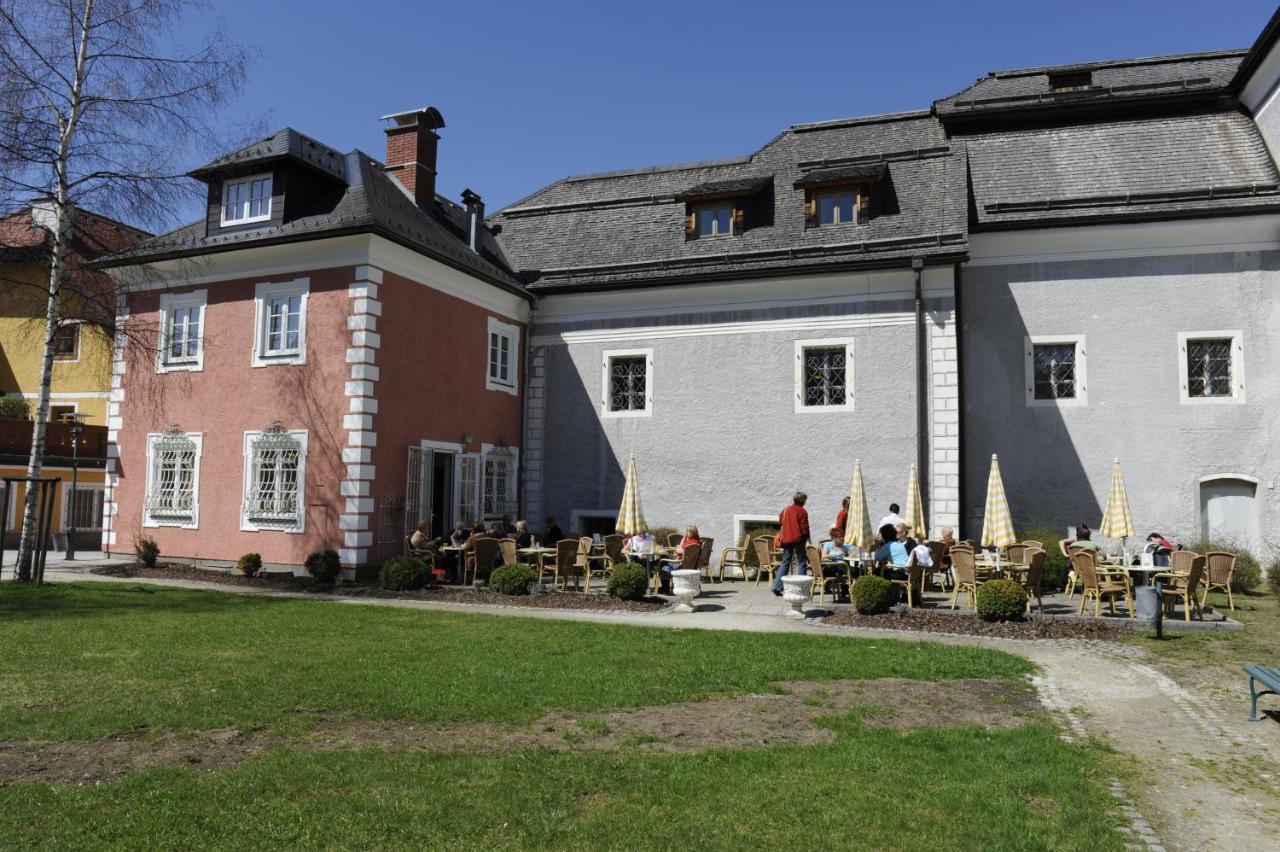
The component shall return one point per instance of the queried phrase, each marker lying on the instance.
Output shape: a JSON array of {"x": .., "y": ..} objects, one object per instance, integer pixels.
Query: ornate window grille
[
  {"x": 1209, "y": 367},
  {"x": 497, "y": 483},
  {"x": 173, "y": 476},
  {"x": 825, "y": 375},
  {"x": 627, "y": 383},
  {"x": 1055, "y": 370},
  {"x": 273, "y": 478}
]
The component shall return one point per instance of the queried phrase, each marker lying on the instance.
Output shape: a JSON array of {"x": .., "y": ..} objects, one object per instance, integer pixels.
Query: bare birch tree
[{"x": 99, "y": 102}]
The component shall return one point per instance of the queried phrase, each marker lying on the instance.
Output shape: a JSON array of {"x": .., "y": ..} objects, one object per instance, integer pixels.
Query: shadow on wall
[{"x": 1045, "y": 479}]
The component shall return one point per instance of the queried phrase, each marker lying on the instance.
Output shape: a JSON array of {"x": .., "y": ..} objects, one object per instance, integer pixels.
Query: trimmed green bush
[
  {"x": 629, "y": 581},
  {"x": 512, "y": 579},
  {"x": 1273, "y": 578},
  {"x": 1248, "y": 571},
  {"x": 873, "y": 595},
  {"x": 324, "y": 566},
  {"x": 1056, "y": 566},
  {"x": 1001, "y": 600},
  {"x": 249, "y": 564},
  {"x": 403, "y": 573},
  {"x": 147, "y": 551},
  {"x": 14, "y": 408}
]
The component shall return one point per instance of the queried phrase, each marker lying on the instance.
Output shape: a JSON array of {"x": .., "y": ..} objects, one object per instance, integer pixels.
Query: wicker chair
[
  {"x": 1219, "y": 566},
  {"x": 1016, "y": 553},
  {"x": 704, "y": 561},
  {"x": 735, "y": 557},
  {"x": 674, "y": 539},
  {"x": 820, "y": 578},
  {"x": 764, "y": 557},
  {"x": 1180, "y": 561},
  {"x": 1031, "y": 580},
  {"x": 915, "y": 577},
  {"x": 1073, "y": 579},
  {"x": 568, "y": 562},
  {"x": 690, "y": 558},
  {"x": 480, "y": 559},
  {"x": 601, "y": 564},
  {"x": 1099, "y": 585},
  {"x": 1183, "y": 587},
  {"x": 966, "y": 576},
  {"x": 507, "y": 549},
  {"x": 937, "y": 552}
]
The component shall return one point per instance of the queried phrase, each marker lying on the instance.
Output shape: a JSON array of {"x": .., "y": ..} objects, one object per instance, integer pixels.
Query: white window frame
[
  {"x": 148, "y": 520},
  {"x": 248, "y": 524},
  {"x": 711, "y": 206},
  {"x": 66, "y": 506},
  {"x": 1237, "y": 367},
  {"x": 512, "y": 335},
  {"x": 170, "y": 302},
  {"x": 512, "y": 457},
  {"x": 1081, "y": 370},
  {"x": 79, "y": 341},
  {"x": 824, "y": 343},
  {"x": 247, "y": 182},
  {"x": 263, "y": 294},
  {"x": 606, "y": 368},
  {"x": 819, "y": 194}
]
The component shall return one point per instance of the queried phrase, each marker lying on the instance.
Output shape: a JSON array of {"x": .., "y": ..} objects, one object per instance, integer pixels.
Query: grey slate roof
[
  {"x": 1119, "y": 79},
  {"x": 1168, "y": 166},
  {"x": 364, "y": 200},
  {"x": 623, "y": 228},
  {"x": 281, "y": 144}
]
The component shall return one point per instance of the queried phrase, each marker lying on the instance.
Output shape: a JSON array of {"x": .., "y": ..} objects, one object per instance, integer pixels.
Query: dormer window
[
  {"x": 714, "y": 220},
  {"x": 839, "y": 207},
  {"x": 246, "y": 200},
  {"x": 839, "y": 195},
  {"x": 1070, "y": 81}
]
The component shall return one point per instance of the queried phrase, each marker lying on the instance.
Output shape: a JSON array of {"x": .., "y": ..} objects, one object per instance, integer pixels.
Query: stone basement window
[
  {"x": 500, "y": 371},
  {"x": 1055, "y": 368},
  {"x": 832, "y": 206},
  {"x": 824, "y": 375},
  {"x": 275, "y": 463},
  {"x": 246, "y": 200},
  {"x": 173, "y": 479},
  {"x": 1211, "y": 366},
  {"x": 628, "y": 383}
]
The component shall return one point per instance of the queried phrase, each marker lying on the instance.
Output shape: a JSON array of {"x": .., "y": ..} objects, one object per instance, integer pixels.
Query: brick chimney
[{"x": 411, "y": 151}]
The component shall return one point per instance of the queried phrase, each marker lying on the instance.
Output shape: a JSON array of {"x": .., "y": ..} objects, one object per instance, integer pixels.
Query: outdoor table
[
  {"x": 539, "y": 553},
  {"x": 1144, "y": 572},
  {"x": 460, "y": 552}
]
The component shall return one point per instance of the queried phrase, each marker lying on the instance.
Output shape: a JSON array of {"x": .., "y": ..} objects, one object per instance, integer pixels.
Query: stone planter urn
[
  {"x": 685, "y": 584},
  {"x": 797, "y": 589}
]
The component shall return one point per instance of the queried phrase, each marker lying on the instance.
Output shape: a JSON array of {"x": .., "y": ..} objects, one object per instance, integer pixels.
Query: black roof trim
[
  {"x": 1258, "y": 52},
  {"x": 882, "y": 118},
  {"x": 1118, "y": 63},
  {"x": 1092, "y": 92},
  {"x": 649, "y": 170},
  {"x": 863, "y": 172},
  {"x": 726, "y": 188},
  {"x": 1209, "y": 193},
  {"x": 886, "y": 157},
  {"x": 574, "y": 206}
]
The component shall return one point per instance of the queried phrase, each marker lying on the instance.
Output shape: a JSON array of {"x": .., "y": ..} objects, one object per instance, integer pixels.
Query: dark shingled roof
[
  {"x": 733, "y": 186},
  {"x": 284, "y": 143},
  {"x": 864, "y": 171},
  {"x": 1120, "y": 79},
  {"x": 1165, "y": 166},
  {"x": 627, "y": 228},
  {"x": 365, "y": 199}
]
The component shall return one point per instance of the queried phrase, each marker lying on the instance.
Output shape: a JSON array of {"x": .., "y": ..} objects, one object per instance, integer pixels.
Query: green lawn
[{"x": 84, "y": 661}]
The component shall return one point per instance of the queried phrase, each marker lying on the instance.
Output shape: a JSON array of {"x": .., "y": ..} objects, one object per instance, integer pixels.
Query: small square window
[
  {"x": 281, "y": 335},
  {"x": 1211, "y": 366},
  {"x": 824, "y": 375},
  {"x": 247, "y": 200},
  {"x": 628, "y": 383},
  {"x": 501, "y": 357},
  {"x": 66, "y": 342},
  {"x": 715, "y": 220},
  {"x": 840, "y": 207},
  {"x": 1056, "y": 371}
]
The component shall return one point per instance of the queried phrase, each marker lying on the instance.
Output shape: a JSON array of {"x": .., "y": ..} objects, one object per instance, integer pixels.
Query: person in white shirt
[{"x": 893, "y": 518}]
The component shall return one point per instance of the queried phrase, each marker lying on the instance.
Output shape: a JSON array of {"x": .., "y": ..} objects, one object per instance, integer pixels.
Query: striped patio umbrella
[
  {"x": 631, "y": 515},
  {"x": 857, "y": 532},
  {"x": 1116, "y": 521},
  {"x": 997, "y": 525},
  {"x": 915, "y": 507}
]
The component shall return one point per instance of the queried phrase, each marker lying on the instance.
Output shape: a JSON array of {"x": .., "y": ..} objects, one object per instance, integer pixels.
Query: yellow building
[{"x": 82, "y": 366}]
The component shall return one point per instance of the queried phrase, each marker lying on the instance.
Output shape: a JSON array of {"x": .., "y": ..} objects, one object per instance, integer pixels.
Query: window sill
[
  {"x": 489, "y": 384},
  {"x": 293, "y": 358},
  {"x": 1213, "y": 400},
  {"x": 252, "y": 220},
  {"x": 1077, "y": 402},
  {"x": 622, "y": 415},
  {"x": 193, "y": 367},
  {"x": 824, "y": 409},
  {"x": 182, "y": 523}
]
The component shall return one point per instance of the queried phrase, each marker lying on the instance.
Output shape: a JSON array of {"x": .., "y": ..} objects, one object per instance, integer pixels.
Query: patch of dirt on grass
[
  {"x": 934, "y": 621},
  {"x": 753, "y": 721}
]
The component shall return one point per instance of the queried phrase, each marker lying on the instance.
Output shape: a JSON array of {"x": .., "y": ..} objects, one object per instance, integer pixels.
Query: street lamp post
[{"x": 76, "y": 428}]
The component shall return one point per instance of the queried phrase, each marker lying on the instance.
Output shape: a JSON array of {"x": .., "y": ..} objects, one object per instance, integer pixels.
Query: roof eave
[{"x": 1085, "y": 219}]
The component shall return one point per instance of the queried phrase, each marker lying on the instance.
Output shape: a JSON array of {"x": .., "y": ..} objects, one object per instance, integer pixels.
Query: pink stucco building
[{"x": 333, "y": 349}]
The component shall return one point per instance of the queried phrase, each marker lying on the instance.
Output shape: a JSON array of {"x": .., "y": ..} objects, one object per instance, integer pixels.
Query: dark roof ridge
[
  {"x": 854, "y": 121},
  {"x": 1117, "y": 63},
  {"x": 648, "y": 170}
]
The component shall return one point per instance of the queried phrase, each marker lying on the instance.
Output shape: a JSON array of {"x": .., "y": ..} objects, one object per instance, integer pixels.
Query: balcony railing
[{"x": 15, "y": 441}]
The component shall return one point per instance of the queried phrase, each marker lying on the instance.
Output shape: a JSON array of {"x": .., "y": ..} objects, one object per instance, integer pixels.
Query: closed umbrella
[
  {"x": 857, "y": 532},
  {"x": 915, "y": 507},
  {"x": 631, "y": 515},
  {"x": 1116, "y": 521},
  {"x": 997, "y": 525}
]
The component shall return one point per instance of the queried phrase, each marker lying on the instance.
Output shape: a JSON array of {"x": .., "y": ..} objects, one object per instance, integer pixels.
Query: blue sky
[{"x": 534, "y": 91}]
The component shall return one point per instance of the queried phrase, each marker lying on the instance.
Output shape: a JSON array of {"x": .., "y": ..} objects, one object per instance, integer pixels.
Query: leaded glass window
[
  {"x": 274, "y": 488},
  {"x": 171, "y": 494},
  {"x": 497, "y": 485},
  {"x": 1054, "y": 366},
  {"x": 628, "y": 383},
  {"x": 825, "y": 375},
  {"x": 1209, "y": 367}
]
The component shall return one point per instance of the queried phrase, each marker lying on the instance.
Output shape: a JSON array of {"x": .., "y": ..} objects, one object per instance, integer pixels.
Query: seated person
[
  {"x": 459, "y": 536},
  {"x": 477, "y": 531},
  {"x": 892, "y": 552},
  {"x": 523, "y": 537},
  {"x": 1159, "y": 547},
  {"x": 554, "y": 534},
  {"x": 1082, "y": 539},
  {"x": 691, "y": 536},
  {"x": 904, "y": 536},
  {"x": 639, "y": 548},
  {"x": 836, "y": 550},
  {"x": 421, "y": 535}
]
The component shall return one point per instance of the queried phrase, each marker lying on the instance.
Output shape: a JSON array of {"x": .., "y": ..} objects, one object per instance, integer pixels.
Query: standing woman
[{"x": 793, "y": 537}]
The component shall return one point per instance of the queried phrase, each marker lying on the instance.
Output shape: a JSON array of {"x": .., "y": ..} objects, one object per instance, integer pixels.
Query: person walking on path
[{"x": 793, "y": 537}]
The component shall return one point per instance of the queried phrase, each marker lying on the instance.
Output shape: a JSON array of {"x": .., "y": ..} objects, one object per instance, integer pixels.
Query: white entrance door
[{"x": 1228, "y": 511}]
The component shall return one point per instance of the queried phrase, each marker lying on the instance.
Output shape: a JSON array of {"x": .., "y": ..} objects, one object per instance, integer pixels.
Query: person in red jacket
[{"x": 793, "y": 537}]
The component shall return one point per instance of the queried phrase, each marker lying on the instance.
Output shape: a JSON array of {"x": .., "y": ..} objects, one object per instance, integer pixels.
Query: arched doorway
[{"x": 1229, "y": 509}]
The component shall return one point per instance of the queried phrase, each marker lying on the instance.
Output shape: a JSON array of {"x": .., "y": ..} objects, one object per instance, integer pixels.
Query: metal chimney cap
[{"x": 427, "y": 116}]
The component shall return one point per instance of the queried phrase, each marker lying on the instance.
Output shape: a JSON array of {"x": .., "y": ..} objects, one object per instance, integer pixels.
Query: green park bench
[{"x": 1270, "y": 678}]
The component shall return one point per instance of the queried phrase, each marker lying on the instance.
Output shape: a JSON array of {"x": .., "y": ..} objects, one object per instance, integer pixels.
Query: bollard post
[{"x": 1159, "y": 609}]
